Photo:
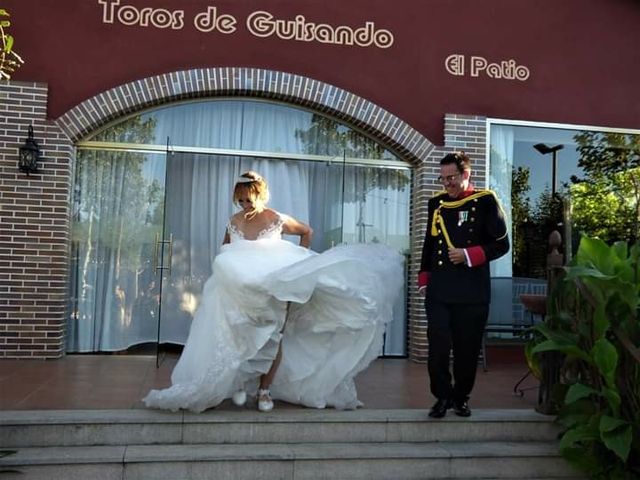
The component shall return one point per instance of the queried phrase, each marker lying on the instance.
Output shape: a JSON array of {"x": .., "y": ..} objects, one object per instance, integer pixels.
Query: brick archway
[
  {"x": 356, "y": 111},
  {"x": 381, "y": 125},
  {"x": 390, "y": 131}
]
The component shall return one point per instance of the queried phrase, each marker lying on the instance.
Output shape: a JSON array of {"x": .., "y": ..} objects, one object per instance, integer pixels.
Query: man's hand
[
  {"x": 456, "y": 255},
  {"x": 422, "y": 290}
]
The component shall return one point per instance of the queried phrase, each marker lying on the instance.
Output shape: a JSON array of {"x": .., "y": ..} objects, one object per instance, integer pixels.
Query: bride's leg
[
  {"x": 267, "y": 378},
  {"x": 265, "y": 402},
  {"x": 264, "y": 398}
]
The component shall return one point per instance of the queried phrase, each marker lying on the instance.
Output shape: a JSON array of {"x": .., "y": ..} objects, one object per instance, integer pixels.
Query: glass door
[
  {"x": 343, "y": 204},
  {"x": 198, "y": 204},
  {"x": 147, "y": 227},
  {"x": 118, "y": 211},
  {"x": 376, "y": 210}
]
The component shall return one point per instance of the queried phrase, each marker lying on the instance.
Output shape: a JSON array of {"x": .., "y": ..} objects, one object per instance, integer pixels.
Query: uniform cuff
[
  {"x": 423, "y": 279},
  {"x": 475, "y": 256}
]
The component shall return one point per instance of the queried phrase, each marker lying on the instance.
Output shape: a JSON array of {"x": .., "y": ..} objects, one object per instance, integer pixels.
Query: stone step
[
  {"x": 149, "y": 427},
  {"x": 370, "y": 461}
]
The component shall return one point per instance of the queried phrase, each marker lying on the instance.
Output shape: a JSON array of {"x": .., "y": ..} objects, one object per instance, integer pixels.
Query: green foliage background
[{"x": 593, "y": 322}]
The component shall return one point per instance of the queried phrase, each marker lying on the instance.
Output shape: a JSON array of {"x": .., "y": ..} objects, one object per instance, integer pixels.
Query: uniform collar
[{"x": 470, "y": 190}]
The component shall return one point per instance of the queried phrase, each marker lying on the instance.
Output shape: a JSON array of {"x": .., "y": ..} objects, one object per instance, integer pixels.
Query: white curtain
[
  {"x": 500, "y": 171},
  {"x": 198, "y": 124}
]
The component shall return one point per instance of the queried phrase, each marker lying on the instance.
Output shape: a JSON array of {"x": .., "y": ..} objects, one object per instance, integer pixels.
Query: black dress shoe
[
  {"x": 461, "y": 409},
  {"x": 440, "y": 408}
]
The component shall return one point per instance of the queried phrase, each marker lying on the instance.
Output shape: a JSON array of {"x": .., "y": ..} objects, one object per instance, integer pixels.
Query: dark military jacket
[{"x": 477, "y": 220}]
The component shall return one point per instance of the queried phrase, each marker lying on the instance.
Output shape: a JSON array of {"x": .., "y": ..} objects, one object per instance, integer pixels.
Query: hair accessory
[{"x": 242, "y": 179}]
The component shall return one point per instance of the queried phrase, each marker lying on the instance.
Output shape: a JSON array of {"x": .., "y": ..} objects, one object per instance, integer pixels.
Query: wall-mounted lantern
[{"x": 29, "y": 154}]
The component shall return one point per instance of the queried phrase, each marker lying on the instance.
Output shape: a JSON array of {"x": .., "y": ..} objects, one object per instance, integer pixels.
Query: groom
[{"x": 466, "y": 230}]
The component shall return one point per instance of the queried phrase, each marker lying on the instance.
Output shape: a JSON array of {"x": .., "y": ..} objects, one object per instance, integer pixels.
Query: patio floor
[{"x": 120, "y": 381}]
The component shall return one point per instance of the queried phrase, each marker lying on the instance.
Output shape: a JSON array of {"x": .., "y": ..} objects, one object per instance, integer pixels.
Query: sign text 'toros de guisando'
[{"x": 259, "y": 23}]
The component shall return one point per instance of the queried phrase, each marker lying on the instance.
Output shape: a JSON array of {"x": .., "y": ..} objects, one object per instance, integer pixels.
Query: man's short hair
[{"x": 460, "y": 159}]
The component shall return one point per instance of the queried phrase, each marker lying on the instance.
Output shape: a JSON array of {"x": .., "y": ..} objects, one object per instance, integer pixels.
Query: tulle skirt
[{"x": 328, "y": 311}]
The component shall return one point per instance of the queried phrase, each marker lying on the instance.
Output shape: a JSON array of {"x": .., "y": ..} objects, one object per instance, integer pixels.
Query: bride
[{"x": 279, "y": 320}]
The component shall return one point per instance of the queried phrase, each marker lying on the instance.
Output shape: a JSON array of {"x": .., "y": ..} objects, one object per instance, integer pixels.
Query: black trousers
[{"x": 457, "y": 327}]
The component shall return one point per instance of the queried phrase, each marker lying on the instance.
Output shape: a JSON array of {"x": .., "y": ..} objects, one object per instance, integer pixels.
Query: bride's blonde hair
[{"x": 251, "y": 185}]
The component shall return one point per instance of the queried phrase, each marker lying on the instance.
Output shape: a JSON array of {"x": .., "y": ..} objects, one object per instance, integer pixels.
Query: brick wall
[{"x": 34, "y": 227}]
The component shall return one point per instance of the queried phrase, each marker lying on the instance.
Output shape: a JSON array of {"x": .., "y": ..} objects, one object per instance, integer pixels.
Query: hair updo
[{"x": 251, "y": 185}]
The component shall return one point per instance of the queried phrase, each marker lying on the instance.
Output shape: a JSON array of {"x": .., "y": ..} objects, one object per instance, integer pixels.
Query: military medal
[{"x": 462, "y": 217}]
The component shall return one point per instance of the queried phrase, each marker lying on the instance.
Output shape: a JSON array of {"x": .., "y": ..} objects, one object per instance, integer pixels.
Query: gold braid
[{"x": 439, "y": 221}]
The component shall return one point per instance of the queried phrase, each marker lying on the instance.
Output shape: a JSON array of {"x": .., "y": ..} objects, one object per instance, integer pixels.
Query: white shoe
[
  {"x": 239, "y": 398},
  {"x": 265, "y": 403}
]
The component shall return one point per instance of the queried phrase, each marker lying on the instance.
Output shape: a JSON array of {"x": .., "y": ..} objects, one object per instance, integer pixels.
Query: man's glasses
[{"x": 448, "y": 179}]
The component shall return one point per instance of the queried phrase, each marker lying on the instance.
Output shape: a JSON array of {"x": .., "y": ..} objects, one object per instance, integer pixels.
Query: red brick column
[{"x": 34, "y": 228}]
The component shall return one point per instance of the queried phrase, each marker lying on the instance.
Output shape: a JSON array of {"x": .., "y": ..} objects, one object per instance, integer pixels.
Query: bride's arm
[
  {"x": 227, "y": 237},
  {"x": 292, "y": 226}
]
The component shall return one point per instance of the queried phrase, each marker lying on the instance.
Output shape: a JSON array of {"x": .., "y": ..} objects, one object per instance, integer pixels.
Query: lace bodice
[{"x": 273, "y": 231}]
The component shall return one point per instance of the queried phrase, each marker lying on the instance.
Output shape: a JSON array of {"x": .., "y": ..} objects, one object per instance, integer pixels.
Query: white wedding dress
[{"x": 340, "y": 302}]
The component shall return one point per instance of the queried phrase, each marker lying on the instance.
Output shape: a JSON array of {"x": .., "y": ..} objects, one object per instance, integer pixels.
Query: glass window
[
  {"x": 579, "y": 182},
  {"x": 244, "y": 125}
]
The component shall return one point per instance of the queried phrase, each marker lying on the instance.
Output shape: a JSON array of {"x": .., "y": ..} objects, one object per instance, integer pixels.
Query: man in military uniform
[{"x": 466, "y": 230}]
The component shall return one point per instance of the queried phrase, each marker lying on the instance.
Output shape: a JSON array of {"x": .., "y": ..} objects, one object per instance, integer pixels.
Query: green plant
[
  {"x": 609, "y": 186},
  {"x": 593, "y": 321},
  {"x": 9, "y": 59}
]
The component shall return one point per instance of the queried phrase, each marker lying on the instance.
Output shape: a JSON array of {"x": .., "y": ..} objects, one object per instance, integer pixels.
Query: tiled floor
[{"x": 120, "y": 381}]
